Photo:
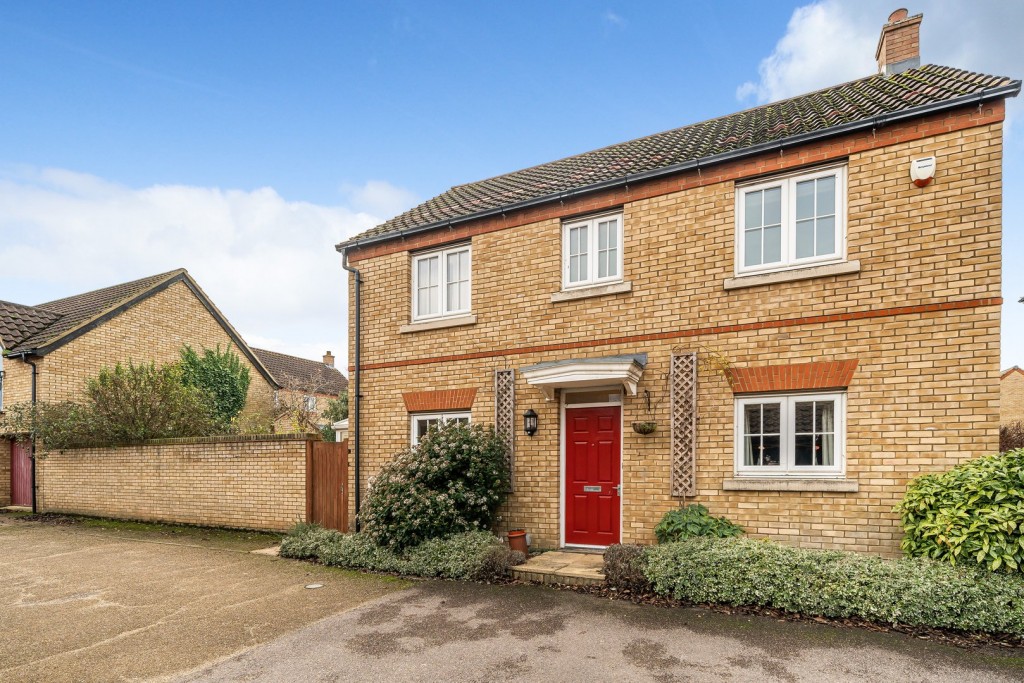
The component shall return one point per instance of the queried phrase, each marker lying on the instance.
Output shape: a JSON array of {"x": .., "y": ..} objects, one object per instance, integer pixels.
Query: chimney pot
[
  {"x": 329, "y": 359},
  {"x": 899, "y": 46}
]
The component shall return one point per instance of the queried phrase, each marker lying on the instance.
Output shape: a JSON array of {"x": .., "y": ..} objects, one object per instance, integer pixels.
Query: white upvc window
[
  {"x": 309, "y": 403},
  {"x": 441, "y": 283},
  {"x": 791, "y": 434},
  {"x": 592, "y": 251},
  {"x": 791, "y": 222},
  {"x": 420, "y": 423}
]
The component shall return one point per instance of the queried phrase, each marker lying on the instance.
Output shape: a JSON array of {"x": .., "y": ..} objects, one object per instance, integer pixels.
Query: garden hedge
[
  {"x": 473, "y": 555},
  {"x": 910, "y": 591}
]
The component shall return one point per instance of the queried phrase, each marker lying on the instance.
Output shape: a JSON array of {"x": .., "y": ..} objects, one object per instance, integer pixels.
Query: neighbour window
[
  {"x": 441, "y": 283},
  {"x": 424, "y": 421},
  {"x": 790, "y": 435},
  {"x": 309, "y": 402},
  {"x": 791, "y": 222},
  {"x": 592, "y": 251}
]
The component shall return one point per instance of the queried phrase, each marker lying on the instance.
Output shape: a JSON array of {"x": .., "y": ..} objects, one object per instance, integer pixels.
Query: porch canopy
[{"x": 586, "y": 372}]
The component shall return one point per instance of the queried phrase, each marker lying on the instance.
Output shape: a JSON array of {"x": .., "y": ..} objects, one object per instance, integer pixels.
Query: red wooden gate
[
  {"x": 21, "y": 473},
  {"x": 326, "y": 484}
]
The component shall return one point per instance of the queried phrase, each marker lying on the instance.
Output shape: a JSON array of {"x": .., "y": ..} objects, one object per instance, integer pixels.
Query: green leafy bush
[
  {"x": 452, "y": 481},
  {"x": 124, "y": 404},
  {"x": 221, "y": 374},
  {"x": 624, "y": 567},
  {"x": 474, "y": 555},
  {"x": 911, "y": 591},
  {"x": 972, "y": 514},
  {"x": 693, "y": 520}
]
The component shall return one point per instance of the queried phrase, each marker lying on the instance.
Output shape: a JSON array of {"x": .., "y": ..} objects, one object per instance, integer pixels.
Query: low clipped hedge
[
  {"x": 909, "y": 591},
  {"x": 972, "y": 514},
  {"x": 473, "y": 555}
]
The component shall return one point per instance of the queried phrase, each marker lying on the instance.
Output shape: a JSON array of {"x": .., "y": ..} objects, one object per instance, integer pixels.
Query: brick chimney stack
[
  {"x": 899, "y": 46},
  {"x": 329, "y": 359}
]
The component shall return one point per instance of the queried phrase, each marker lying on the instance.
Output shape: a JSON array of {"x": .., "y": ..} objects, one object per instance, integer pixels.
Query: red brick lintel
[
  {"x": 444, "y": 399},
  {"x": 699, "y": 332},
  {"x": 792, "y": 377},
  {"x": 811, "y": 153}
]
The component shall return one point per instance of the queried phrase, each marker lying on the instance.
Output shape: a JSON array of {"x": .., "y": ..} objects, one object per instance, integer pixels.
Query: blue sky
[{"x": 241, "y": 140}]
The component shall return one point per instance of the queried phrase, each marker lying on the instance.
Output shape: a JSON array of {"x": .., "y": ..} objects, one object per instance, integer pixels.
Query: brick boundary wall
[{"x": 235, "y": 482}]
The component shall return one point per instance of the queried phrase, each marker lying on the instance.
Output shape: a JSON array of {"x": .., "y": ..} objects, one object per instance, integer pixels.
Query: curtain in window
[
  {"x": 826, "y": 425},
  {"x": 751, "y": 430}
]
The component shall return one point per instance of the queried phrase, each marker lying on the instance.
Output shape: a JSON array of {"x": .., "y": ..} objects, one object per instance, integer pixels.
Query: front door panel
[{"x": 593, "y": 447}]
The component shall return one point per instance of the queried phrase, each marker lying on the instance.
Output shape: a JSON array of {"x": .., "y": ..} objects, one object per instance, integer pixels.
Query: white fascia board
[{"x": 577, "y": 375}]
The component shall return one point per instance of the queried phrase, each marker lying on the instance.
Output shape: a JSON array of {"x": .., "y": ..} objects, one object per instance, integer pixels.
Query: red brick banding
[
  {"x": 792, "y": 377},
  {"x": 444, "y": 399},
  {"x": 700, "y": 331}
]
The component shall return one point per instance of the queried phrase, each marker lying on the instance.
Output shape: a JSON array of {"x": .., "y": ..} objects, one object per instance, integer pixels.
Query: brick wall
[
  {"x": 1011, "y": 396},
  {"x": 5, "y": 472},
  {"x": 245, "y": 484},
  {"x": 921, "y": 318}
]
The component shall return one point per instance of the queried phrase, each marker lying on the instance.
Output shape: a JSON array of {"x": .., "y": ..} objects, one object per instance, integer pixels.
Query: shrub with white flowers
[{"x": 453, "y": 481}]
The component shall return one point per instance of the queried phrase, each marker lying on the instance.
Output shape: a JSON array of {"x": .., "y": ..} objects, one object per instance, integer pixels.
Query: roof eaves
[{"x": 1011, "y": 89}]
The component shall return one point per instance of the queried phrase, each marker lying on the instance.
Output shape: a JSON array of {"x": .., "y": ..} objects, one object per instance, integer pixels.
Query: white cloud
[
  {"x": 833, "y": 41},
  {"x": 268, "y": 263},
  {"x": 614, "y": 19},
  {"x": 379, "y": 197}
]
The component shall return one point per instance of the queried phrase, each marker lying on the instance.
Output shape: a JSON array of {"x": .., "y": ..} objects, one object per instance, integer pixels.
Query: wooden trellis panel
[
  {"x": 505, "y": 411},
  {"x": 683, "y": 390}
]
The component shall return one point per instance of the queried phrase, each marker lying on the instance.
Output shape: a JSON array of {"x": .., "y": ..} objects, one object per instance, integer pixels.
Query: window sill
[
  {"x": 785, "y": 484},
  {"x": 744, "y": 281},
  {"x": 588, "y": 292},
  {"x": 438, "y": 324}
]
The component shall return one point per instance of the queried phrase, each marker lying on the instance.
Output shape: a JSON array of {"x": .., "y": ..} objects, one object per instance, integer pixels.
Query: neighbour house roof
[
  {"x": 1006, "y": 373},
  {"x": 867, "y": 102},
  {"x": 38, "y": 330},
  {"x": 301, "y": 374}
]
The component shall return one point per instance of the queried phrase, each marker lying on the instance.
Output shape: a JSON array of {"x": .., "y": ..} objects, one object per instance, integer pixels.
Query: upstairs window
[
  {"x": 791, "y": 222},
  {"x": 309, "y": 403},
  {"x": 592, "y": 251},
  {"x": 441, "y": 283}
]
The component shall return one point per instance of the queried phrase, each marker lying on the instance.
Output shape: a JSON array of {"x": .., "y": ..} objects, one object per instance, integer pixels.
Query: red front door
[
  {"x": 592, "y": 475},
  {"x": 21, "y": 473}
]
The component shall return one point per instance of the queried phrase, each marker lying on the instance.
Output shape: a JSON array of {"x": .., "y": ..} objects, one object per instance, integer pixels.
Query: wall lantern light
[{"x": 530, "y": 422}]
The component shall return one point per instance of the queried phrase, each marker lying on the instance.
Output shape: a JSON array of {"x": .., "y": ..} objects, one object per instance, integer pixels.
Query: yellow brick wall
[
  {"x": 5, "y": 472},
  {"x": 924, "y": 397},
  {"x": 241, "y": 484},
  {"x": 152, "y": 330},
  {"x": 1011, "y": 397}
]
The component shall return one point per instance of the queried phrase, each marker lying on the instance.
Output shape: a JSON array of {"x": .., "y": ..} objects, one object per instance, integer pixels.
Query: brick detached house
[
  {"x": 1011, "y": 396},
  {"x": 801, "y": 299},
  {"x": 305, "y": 384},
  {"x": 51, "y": 349}
]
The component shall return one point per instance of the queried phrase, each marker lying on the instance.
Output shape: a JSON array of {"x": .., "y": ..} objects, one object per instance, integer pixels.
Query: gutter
[
  {"x": 1010, "y": 90},
  {"x": 354, "y": 395}
]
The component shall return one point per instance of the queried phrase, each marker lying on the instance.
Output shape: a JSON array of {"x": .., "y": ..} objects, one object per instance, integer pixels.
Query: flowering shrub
[
  {"x": 452, "y": 481},
  {"x": 474, "y": 555}
]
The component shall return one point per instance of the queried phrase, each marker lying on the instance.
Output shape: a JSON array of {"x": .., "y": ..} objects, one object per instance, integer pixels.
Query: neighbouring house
[
  {"x": 51, "y": 349},
  {"x": 340, "y": 429},
  {"x": 802, "y": 300},
  {"x": 306, "y": 387},
  {"x": 1011, "y": 396}
]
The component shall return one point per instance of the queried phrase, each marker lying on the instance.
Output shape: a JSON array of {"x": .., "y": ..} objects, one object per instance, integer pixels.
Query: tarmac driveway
[
  {"x": 88, "y": 603},
  {"x": 441, "y": 631}
]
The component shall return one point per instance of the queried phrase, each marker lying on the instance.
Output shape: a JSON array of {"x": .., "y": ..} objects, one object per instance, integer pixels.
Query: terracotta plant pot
[{"x": 517, "y": 541}]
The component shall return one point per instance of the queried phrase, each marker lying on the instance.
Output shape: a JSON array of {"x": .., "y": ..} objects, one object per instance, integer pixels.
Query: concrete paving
[
  {"x": 117, "y": 603},
  {"x": 441, "y": 631}
]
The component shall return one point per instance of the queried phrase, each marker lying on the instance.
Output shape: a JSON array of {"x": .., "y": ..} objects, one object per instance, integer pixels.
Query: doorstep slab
[{"x": 567, "y": 568}]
